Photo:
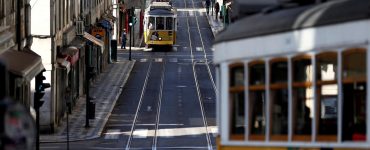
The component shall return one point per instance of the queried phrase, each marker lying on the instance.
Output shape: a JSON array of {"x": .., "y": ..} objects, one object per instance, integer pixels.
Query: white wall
[{"x": 40, "y": 25}]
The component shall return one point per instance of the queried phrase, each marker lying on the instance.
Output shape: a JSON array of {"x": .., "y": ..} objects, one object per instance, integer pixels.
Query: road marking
[
  {"x": 149, "y": 108},
  {"x": 140, "y": 133},
  {"x": 181, "y": 86},
  {"x": 214, "y": 131},
  {"x": 174, "y": 49},
  {"x": 158, "y": 59},
  {"x": 199, "y": 49},
  {"x": 143, "y": 60},
  {"x": 112, "y": 134}
]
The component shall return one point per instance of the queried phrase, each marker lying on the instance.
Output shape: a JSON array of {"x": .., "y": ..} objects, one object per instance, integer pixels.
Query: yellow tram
[
  {"x": 296, "y": 79},
  {"x": 160, "y": 24}
]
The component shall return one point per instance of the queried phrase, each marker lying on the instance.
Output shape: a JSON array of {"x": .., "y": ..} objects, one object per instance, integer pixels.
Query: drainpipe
[
  {"x": 18, "y": 25},
  {"x": 53, "y": 61}
]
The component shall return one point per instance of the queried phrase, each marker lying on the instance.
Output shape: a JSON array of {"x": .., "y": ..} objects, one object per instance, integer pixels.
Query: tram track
[
  {"x": 194, "y": 62},
  {"x": 130, "y": 144}
]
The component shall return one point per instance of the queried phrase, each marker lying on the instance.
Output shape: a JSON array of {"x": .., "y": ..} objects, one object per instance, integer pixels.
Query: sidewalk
[
  {"x": 216, "y": 25},
  {"x": 106, "y": 91}
]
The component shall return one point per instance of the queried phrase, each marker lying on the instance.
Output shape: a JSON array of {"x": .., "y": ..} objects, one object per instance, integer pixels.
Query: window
[
  {"x": 169, "y": 23},
  {"x": 257, "y": 100},
  {"x": 159, "y": 23},
  {"x": 302, "y": 98},
  {"x": 237, "y": 101},
  {"x": 327, "y": 94},
  {"x": 2, "y": 9},
  {"x": 151, "y": 23},
  {"x": 354, "y": 95},
  {"x": 279, "y": 99}
]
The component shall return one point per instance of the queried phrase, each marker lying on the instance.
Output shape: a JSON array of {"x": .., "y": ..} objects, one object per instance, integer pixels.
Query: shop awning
[
  {"x": 26, "y": 64},
  {"x": 79, "y": 43},
  {"x": 106, "y": 24},
  {"x": 72, "y": 54},
  {"x": 94, "y": 40},
  {"x": 64, "y": 63}
]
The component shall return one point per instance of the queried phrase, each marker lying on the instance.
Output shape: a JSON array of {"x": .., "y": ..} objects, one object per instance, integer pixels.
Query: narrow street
[{"x": 168, "y": 101}]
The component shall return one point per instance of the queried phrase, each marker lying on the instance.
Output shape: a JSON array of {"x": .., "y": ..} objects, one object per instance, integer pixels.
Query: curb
[
  {"x": 99, "y": 130},
  {"x": 116, "y": 98}
]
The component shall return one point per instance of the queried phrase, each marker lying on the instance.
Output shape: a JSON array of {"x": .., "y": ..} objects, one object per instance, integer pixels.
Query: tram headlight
[{"x": 160, "y": 39}]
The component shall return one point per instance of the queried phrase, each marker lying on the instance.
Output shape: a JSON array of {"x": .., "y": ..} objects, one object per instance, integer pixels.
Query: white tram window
[
  {"x": 257, "y": 100},
  {"x": 302, "y": 98},
  {"x": 279, "y": 99},
  {"x": 354, "y": 95},
  {"x": 159, "y": 23},
  {"x": 169, "y": 23},
  {"x": 327, "y": 91},
  {"x": 237, "y": 101},
  {"x": 151, "y": 23}
]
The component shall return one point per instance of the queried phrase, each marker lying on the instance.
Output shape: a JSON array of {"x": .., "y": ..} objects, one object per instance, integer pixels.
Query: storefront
[{"x": 22, "y": 67}]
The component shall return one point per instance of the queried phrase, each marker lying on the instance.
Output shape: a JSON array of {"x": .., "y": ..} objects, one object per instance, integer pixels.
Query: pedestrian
[
  {"x": 170, "y": 2},
  {"x": 208, "y": 2},
  {"x": 217, "y": 9},
  {"x": 123, "y": 39}
]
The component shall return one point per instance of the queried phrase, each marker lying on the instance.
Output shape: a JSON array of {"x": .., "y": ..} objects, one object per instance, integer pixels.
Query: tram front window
[
  {"x": 237, "y": 101},
  {"x": 159, "y": 23},
  {"x": 169, "y": 23},
  {"x": 354, "y": 95},
  {"x": 151, "y": 23}
]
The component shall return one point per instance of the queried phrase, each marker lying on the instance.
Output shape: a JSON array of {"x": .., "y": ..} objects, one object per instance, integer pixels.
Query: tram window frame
[
  {"x": 326, "y": 90},
  {"x": 354, "y": 94},
  {"x": 158, "y": 21},
  {"x": 297, "y": 86},
  {"x": 278, "y": 85},
  {"x": 237, "y": 91},
  {"x": 151, "y": 21},
  {"x": 257, "y": 90},
  {"x": 169, "y": 25}
]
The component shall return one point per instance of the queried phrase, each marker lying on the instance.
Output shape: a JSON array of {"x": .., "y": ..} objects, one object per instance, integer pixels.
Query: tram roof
[
  {"x": 160, "y": 8},
  {"x": 331, "y": 12},
  {"x": 160, "y": 12}
]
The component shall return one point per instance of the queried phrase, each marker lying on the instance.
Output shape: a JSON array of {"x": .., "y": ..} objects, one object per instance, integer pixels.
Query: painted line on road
[
  {"x": 112, "y": 134},
  {"x": 141, "y": 133}
]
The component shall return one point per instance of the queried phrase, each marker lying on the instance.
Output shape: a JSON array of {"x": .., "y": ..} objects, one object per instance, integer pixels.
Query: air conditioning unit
[{"x": 80, "y": 28}]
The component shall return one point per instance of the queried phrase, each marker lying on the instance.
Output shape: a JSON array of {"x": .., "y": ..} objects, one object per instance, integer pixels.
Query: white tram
[{"x": 296, "y": 79}]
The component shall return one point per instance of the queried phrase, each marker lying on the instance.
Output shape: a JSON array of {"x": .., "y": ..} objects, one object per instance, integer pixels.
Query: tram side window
[
  {"x": 302, "y": 98},
  {"x": 257, "y": 100},
  {"x": 237, "y": 101},
  {"x": 279, "y": 100},
  {"x": 354, "y": 95},
  {"x": 169, "y": 23},
  {"x": 151, "y": 23},
  {"x": 327, "y": 94},
  {"x": 159, "y": 23}
]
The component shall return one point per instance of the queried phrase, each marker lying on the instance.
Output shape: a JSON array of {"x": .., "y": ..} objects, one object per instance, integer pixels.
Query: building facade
[
  {"x": 63, "y": 35},
  {"x": 22, "y": 63}
]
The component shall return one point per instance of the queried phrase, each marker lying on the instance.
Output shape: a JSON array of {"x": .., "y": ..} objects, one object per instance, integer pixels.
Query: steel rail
[
  {"x": 197, "y": 84},
  {"x": 205, "y": 54},
  {"x": 155, "y": 138},
  {"x": 139, "y": 106}
]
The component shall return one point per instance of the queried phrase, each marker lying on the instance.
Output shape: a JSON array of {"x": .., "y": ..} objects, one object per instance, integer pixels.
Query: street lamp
[{"x": 130, "y": 24}]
